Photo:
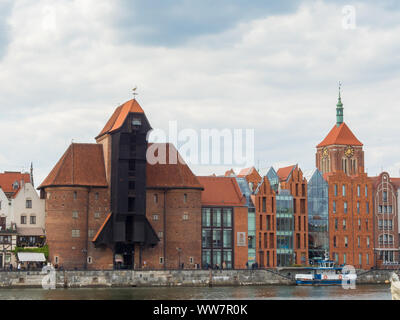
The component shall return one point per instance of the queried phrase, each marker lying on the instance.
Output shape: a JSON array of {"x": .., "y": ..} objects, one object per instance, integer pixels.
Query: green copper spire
[{"x": 339, "y": 109}]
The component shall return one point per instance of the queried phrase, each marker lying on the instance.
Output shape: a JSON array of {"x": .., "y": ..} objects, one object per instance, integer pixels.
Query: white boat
[{"x": 325, "y": 274}]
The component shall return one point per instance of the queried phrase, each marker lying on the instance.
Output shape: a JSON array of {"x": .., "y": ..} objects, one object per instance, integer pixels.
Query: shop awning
[{"x": 31, "y": 257}]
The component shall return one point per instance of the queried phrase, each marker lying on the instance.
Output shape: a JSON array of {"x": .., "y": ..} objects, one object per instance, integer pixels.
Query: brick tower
[{"x": 340, "y": 150}]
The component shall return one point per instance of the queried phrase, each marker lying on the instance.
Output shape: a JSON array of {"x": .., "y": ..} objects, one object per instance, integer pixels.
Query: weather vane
[{"x": 134, "y": 92}]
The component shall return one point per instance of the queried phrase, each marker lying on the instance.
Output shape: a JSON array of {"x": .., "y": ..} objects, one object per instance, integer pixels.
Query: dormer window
[
  {"x": 136, "y": 121},
  {"x": 15, "y": 185}
]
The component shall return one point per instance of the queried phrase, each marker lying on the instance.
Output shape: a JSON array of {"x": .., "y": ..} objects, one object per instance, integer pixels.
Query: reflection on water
[{"x": 362, "y": 292}]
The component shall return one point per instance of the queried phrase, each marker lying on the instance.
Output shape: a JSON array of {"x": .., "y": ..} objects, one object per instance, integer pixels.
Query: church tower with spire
[{"x": 340, "y": 150}]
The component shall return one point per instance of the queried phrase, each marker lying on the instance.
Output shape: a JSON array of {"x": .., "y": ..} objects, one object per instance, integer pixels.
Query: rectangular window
[
  {"x": 216, "y": 238},
  {"x": 336, "y": 224},
  {"x": 334, "y": 206},
  {"x": 160, "y": 234},
  {"x": 75, "y": 214},
  {"x": 206, "y": 238},
  {"x": 29, "y": 204},
  {"x": 385, "y": 196},
  {"x": 335, "y": 190},
  {"x": 359, "y": 224},
  {"x": 75, "y": 233},
  {"x": 343, "y": 190},
  {"x": 206, "y": 217},
  {"x": 366, "y": 224},
  {"x": 23, "y": 219},
  {"x": 367, "y": 207},
  {"x": 161, "y": 260},
  {"x": 185, "y": 217},
  {"x": 131, "y": 185},
  {"x": 360, "y": 259},
  {"x": 344, "y": 258},
  {"x": 155, "y": 198},
  {"x": 359, "y": 242},
  {"x": 97, "y": 215},
  {"x": 358, "y": 191},
  {"x": 358, "y": 206},
  {"x": 345, "y": 207},
  {"x": 155, "y": 217},
  {"x": 216, "y": 217},
  {"x": 367, "y": 258},
  {"x": 91, "y": 233},
  {"x": 227, "y": 238},
  {"x": 185, "y": 198},
  {"x": 32, "y": 219},
  {"x": 366, "y": 191},
  {"x": 132, "y": 165},
  {"x": 227, "y": 217},
  {"x": 346, "y": 244},
  {"x": 344, "y": 224},
  {"x": 264, "y": 204},
  {"x": 368, "y": 242},
  {"x": 379, "y": 209}
]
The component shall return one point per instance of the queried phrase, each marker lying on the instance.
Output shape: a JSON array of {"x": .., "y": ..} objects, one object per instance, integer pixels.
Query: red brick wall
[
  {"x": 240, "y": 253},
  {"x": 60, "y": 204},
  {"x": 178, "y": 233},
  {"x": 265, "y": 247},
  {"x": 352, "y": 231}
]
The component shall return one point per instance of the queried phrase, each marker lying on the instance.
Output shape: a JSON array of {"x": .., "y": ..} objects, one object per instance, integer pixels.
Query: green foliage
[{"x": 44, "y": 249}]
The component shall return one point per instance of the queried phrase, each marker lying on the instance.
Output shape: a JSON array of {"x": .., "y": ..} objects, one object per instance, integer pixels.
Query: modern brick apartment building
[{"x": 224, "y": 223}]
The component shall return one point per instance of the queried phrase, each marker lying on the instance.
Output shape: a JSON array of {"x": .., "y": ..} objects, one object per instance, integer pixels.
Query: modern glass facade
[
  {"x": 273, "y": 179},
  {"x": 217, "y": 237},
  {"x": 318, "y": 218},
  {"x": 284, "y": 229}
]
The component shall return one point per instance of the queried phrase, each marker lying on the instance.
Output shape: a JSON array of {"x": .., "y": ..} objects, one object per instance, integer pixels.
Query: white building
[{"x": 22, "y": 216}]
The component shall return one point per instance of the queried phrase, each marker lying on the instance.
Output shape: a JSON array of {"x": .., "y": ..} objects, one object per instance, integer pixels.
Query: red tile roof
[
  {"x": 221, "y": 191},
  {"x": 283, "y": 173},
  {"x": 119, "y": 116},
  {"x": 245, "y": 172},
  {"x": 341, "y": 135},
  {"x": 81, "y": 165},
  {"x": 169, "y": 175},
  {"x": 396, "y": 181},
  {"x": 8, "y": 178},
  {"x": 230, "y": 173}
]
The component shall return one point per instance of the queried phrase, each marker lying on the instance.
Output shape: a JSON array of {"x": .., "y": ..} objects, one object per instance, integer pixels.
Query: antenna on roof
[{"x": 134, "y": 92}]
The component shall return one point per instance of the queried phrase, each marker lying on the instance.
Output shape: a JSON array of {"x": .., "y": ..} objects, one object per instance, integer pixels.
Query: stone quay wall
[{"x": 157, "y": 278}]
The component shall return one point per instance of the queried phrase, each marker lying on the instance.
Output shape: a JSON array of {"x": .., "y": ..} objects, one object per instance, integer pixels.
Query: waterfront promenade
[{"x": 168, "y": 278}]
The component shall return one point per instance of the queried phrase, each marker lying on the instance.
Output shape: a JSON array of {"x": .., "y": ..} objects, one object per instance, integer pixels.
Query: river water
[{"x": 362, "y": 292}]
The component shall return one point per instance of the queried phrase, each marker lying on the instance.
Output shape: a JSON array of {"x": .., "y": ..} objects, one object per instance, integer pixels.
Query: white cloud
[{"x": 64, "y": 73}]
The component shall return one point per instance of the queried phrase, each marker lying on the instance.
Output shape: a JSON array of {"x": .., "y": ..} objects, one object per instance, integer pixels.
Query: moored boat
[{"x": 326, "y": 273}]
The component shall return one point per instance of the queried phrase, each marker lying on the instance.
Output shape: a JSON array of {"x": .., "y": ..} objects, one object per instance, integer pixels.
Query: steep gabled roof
[
  {"x": 221, "y": 191},
  {"x": 119, "y": 116},
  {"x": 8, "y": 178},
  {"x": 245, "y": 172},
  {"x": 341, "y": 135},
  {"x": 169, "y": 174},
  {"x": 284, "y": 173},
  {"x": 81, "y": 165}
]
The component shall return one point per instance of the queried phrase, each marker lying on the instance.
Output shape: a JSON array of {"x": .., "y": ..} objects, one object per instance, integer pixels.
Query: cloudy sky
[{"x": 273, "y": 66}]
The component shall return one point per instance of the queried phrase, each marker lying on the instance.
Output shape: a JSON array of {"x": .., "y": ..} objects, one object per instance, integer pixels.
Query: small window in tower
[
  {"x": 96, "y": 196},
  {"x": 75, "y": 195},
  {"x": 136, "y": 121},
  {"x": 185, "y": 198},
  {"x": 156, "y": 198}
]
